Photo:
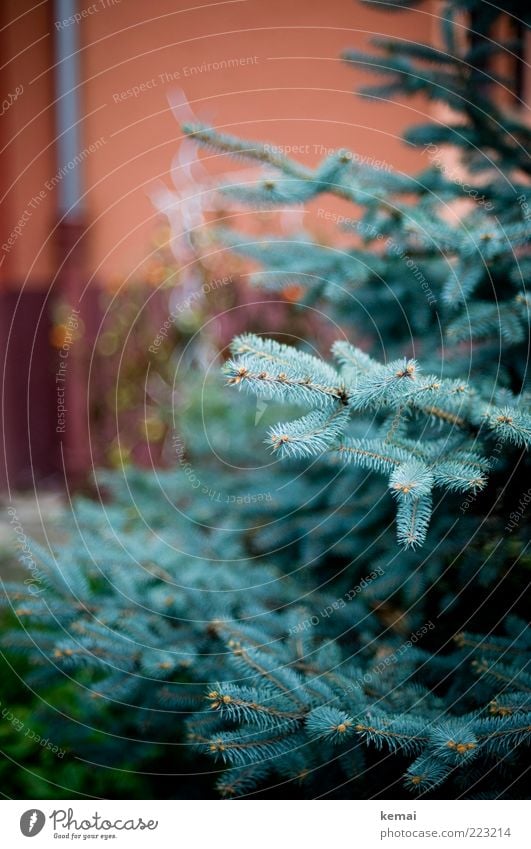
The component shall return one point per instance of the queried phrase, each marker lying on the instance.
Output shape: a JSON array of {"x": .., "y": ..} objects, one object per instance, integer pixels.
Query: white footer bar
[{"x": 264, "y": 824}]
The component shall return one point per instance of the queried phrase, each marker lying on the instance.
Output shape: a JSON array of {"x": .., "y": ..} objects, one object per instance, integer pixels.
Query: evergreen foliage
[{"x": 280, "y": 629}]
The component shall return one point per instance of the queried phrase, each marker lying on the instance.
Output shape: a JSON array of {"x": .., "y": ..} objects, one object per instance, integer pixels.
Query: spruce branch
[
  {"x": 510, "y": 424},
  {"x": 310, "y": 435}
]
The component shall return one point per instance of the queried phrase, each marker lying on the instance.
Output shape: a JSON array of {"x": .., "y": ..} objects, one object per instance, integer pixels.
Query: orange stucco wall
[
  {"x": 286, "y": 85},
  {"x": 27, "y": 157}
]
